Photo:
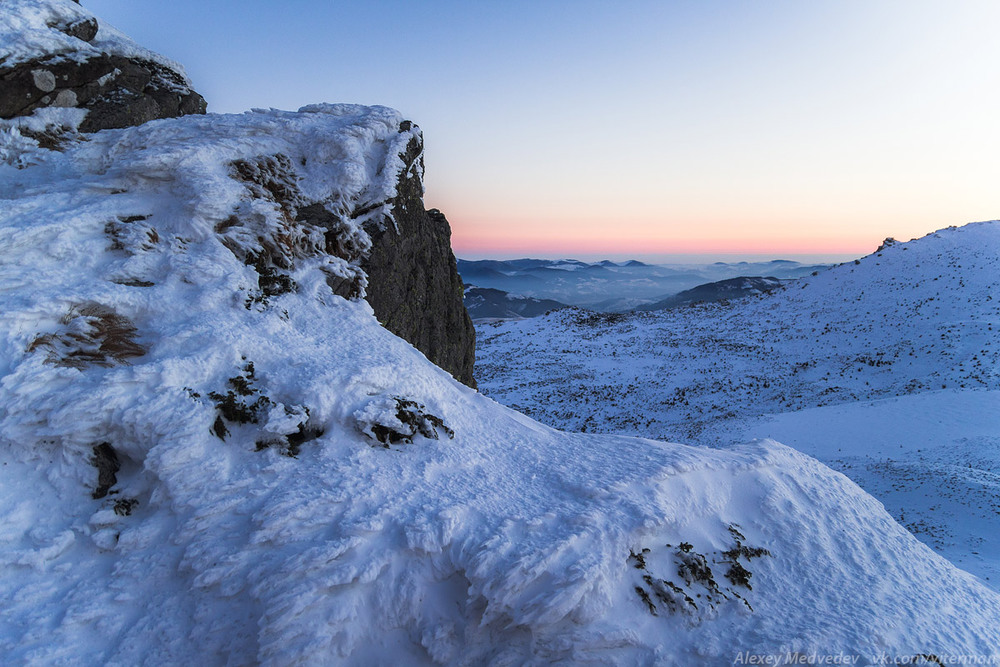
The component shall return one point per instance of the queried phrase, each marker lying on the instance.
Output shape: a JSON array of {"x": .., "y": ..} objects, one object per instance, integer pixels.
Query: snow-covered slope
[
  {"x": 918, "y": 319},
  {"x": 209, "y": 457}
]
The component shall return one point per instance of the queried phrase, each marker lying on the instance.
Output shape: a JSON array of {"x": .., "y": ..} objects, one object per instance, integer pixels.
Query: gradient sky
[{"x": 637, "y": 128}]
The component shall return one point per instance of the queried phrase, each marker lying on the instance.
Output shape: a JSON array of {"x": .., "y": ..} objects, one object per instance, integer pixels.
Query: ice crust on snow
[{"x": 509, "y": 543}]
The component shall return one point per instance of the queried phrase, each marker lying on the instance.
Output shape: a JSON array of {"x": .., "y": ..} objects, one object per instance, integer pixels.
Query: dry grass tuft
[{"x": 93, "y": 335}]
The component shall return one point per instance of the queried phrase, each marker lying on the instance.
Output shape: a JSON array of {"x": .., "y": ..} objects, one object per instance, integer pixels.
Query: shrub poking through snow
[
  {"x": 394, "y": 420},
  {"x": 131, "y": 234},
  {"x": 92, "y": 335},
  {"x": 737, "y": 574},
  {"x": 695, "y": 576},
  {"x": 270, "y": 281},
  {"x": 238, "y": 405},
  {"x": 285, "y": 427},
  {"x": 124, "y": 506}
]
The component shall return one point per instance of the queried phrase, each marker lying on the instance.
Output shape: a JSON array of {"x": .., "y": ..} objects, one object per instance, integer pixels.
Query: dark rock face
[
  {"x": 106, "y": 461},
  {"x": 408, "y": 271},
  {"x": 116, "y": 91},
  {"x": 84, "y": 29},
  {"x": 413, "y": 282}
]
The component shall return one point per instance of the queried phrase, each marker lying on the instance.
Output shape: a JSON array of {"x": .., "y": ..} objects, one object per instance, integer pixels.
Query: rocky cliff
[
  {"x": 413, "y": 282},
  {"x": 56, "y": 56}
]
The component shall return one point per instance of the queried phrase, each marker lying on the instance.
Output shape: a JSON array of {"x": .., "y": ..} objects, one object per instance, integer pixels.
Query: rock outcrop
[
  {"x": 65, "y": 61},
  {"x": 413, "y": 282},
  {"x": 116, "y": 91},
  {"x": 55, "y": 54}
]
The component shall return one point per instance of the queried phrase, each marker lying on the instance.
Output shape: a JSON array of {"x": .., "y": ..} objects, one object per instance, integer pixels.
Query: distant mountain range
[
  {"x": 614, "y": 286},
  {"x": 731, "y": 288},
  {"x": 485, "y": 303}
]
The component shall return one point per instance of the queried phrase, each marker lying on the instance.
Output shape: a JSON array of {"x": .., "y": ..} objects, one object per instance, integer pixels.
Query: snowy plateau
[{"x": 200, "y": 468}]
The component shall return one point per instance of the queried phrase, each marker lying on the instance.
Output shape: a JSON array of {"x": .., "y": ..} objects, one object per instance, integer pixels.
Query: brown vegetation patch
[
  {"x": 93, "y": 335},
  {"x": 131, "y": 234}
]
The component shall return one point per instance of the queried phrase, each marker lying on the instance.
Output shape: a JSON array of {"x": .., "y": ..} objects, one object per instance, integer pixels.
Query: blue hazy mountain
[{"x": 612, "y": 286}]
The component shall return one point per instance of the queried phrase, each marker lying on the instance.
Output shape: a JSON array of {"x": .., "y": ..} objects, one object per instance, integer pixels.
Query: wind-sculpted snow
[
  {"x": 193, "y": 470},
  {"x": 908, "y": 335}
]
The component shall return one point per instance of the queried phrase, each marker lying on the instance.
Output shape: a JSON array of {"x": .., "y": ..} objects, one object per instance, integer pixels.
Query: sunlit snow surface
[
  {"x": 887, "y": 369},
  {"x": 508, "y": 544}
]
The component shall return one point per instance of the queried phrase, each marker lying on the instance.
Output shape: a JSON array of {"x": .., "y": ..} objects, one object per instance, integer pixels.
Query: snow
[
  {"x": 932, "y": 458},
  {"x": 860, "y": 365},
  {"x": 27, "y": 33},
  {"x": 255, "y": 520}
]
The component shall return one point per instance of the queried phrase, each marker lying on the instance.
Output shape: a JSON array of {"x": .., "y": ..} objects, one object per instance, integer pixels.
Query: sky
[{"x": 637, "y": 128}]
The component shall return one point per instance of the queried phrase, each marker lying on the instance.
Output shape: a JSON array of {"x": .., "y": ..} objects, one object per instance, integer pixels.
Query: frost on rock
[{"x": 276, "y": 226}]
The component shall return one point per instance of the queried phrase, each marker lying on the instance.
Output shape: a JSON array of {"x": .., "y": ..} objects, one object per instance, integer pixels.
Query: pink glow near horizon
[
  {"x": 648, "y": 126},
  {"x": 857, "y": 122},
  {"x": 522, "y": 247}
]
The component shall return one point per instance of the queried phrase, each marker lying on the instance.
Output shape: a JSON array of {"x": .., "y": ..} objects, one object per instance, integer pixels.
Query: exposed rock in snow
[{"x": 53, "y": 53}]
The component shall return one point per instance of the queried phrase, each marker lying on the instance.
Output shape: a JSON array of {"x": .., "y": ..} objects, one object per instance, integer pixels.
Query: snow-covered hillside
[
  {"x": 133, "y": 323},
  {"x": 197, "y": 469},
  {"x": 212, "y": 453},
  {"x": 917, "y": 320}
]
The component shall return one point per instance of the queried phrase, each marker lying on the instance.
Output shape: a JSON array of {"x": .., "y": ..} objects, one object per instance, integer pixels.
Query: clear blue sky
[{"x": 635, "y": 127}]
